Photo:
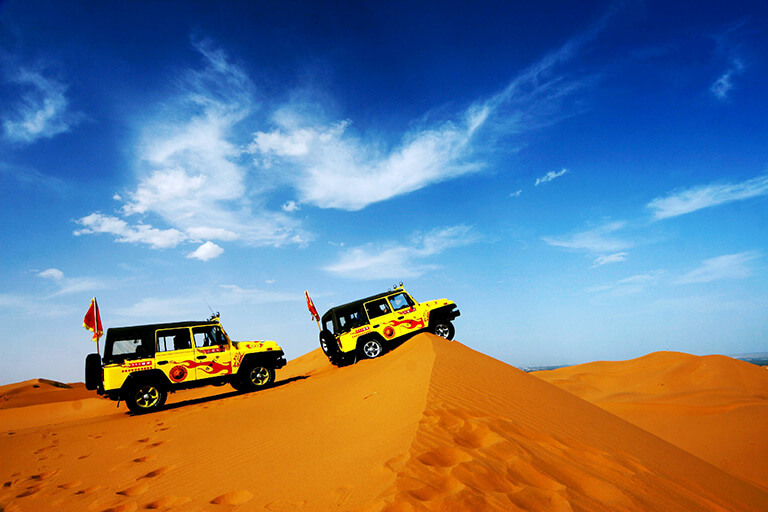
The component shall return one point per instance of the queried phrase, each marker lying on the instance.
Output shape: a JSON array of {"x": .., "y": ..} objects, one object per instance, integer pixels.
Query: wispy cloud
[
  {"x": 729, "y": 266},
  {"x": 330, "y": 166},
  {"x": 705, "y": 196},
  {"x": 609, "y": 259},
  {"x": 40, "y": 111},
  {"x": 192, "y": 302},
  {"x": 601, "y": 239},
  {"x": 629, "y": 285},
  {"x": 97, "y": 223},
  {"x": 70, "y": 285},
  {"x": 722, "y": 87},
  {"x": 551, "y": 175},
  {"x": 392, "y": 261}
]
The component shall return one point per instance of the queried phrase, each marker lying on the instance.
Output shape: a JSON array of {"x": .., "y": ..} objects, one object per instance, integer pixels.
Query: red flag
[
  {"x": 92, "y": 320},
  {"x": 311, "y": 307}
]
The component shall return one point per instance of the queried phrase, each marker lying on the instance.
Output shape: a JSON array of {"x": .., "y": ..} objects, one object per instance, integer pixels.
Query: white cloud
[
  {"x": 206, "y": 252},
  {"x": 705, "y": 196},
  {"x": 42, "y": 111},
  {"x": 601, "y": 239},
  {"x": 330, "y": 166},
  {"x": 610, "y": 258},
  {"x": 140, "y": 233},
  {"x": 516, "y": 194},
  {"x": 192, "y": 175},
  {"x": 551, "y": 175},
  {"x": 52, "y": 273},
  {"x": 290, "y": 206},
  {"x": 729, "y": 266},
  {"x": 372, "y": 261}
]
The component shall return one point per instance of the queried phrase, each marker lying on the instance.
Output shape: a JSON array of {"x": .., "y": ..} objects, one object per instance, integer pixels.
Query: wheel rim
[
  {"x": 147, "y": 397},
  {"x": 259, "y": 376},
  {"x": 372, "y": 349},
  {"x": 442, "y": 330},
  {"x": 324, "y": 346}
]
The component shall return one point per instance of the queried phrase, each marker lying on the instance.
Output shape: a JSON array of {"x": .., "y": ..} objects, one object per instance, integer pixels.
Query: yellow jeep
[
  {"x": 143, "y": 363},
  {"x": 366, "y": 328}
]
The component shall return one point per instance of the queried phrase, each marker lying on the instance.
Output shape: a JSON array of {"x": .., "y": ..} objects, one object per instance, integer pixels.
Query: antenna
[{"x": 213, "y": 315}]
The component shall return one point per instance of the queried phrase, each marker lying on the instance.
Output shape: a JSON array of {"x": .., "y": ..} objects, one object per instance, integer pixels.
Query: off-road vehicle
[
  {"x": 366, "y": 328},
  {"x": 143, "y": 363}
]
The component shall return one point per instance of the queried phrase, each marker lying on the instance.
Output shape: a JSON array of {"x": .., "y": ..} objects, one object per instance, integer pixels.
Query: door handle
[
  {"x": 400, "y": 317},
  {"x": 161, "y": 363},
  {"x": 201, "y": 357}
]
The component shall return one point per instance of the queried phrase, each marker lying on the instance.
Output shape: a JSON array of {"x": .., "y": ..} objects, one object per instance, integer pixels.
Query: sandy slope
[
  {"x": 715, "y": 407},
  {"x": 432, "y": 425}
]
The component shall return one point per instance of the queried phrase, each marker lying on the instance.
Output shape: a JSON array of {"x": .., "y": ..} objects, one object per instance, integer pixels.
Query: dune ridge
[
  {"x": 432, "y": 425},
  {"x": 715, "y": 407}
]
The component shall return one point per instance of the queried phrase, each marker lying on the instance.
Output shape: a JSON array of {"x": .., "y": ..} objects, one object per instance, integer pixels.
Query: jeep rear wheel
[
  {"x": 258, "y": 376},
  {"x": 444, "y": 329},
  {"x": 145, "y": 397},
  {"x": 372, "y": 348}
]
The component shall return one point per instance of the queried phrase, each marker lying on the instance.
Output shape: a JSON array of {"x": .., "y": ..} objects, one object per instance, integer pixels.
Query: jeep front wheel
[
  {"x": 257, "y": 377},
  {"x": 372, "y": 348},
  {"x": 145, "y": 397},
  {"x": 444, "y": 329}
]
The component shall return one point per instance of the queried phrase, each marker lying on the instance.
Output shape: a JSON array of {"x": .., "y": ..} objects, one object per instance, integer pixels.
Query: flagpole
[{"x": 96, "y": 318}]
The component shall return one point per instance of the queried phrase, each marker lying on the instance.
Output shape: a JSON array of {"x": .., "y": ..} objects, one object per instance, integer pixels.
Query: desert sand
[
  {"x": 432, "y": 425},
  {"x": 714, "y": 407}
]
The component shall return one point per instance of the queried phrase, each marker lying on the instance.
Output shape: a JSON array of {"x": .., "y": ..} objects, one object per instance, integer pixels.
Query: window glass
[
  {"x": 208, "y": 336},
  {"x": 349, "y": 319},
  {"x": 128, "y": 346},
  {"x": 173, "y": 339},
  {"x": 377, "y": 308},
  {"x": 400, "y": 301}
]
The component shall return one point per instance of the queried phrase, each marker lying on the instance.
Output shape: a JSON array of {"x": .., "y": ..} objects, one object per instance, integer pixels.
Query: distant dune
[
  {"x": 433, "y": 425},
  {"x": 715, "y": 407}
]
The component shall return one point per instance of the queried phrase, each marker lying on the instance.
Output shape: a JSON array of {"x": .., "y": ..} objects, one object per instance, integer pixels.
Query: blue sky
[{"x": 585, "y": 182}]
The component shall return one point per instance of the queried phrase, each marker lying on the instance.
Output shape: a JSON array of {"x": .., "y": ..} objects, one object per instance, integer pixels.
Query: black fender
[
  {"x": 272, "y": 359},
  {"x": 448, "y": 312}
]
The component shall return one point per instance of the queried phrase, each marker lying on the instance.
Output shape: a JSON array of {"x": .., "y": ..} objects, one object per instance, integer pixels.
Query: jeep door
[
  {"x": 407, "y": 318},
  {"x": 174, "y": 355},
  {"x": 382, "y": 318},
  {"x": 213, "y": 354}
]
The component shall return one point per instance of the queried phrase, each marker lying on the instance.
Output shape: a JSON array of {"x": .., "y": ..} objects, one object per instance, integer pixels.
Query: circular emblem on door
[
  {"x": 178, "y": 373},
  {"x": 389, "y": 331}
]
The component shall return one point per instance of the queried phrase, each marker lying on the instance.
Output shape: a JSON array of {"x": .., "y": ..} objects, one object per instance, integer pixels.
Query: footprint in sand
[
  {"x": 167, "y": 502},
  {"x": 71, "y": 485},
  {"x": 158, "y": 472},
  {"x": 123, "y": 507},
  {"x": 145, "y": 458},
  {"x": 233, "y": 498},
  {"x": 135, "y": 490}
]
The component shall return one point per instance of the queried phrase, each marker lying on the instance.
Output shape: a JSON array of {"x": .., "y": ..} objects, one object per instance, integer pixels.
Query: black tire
[
  {"x": 371, "y": 348},
  {"x": 258, "y": 376},
  {"x": 444, "y": 329},
  {"x": 145, "y": 397},
  {"x": 327, "y": 342},
  {"x": 92, "y": 371}
]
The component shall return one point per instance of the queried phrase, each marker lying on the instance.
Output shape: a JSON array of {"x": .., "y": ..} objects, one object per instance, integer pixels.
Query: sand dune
[
  {"x": 715, "y": 407},
  {"x": 432, "y": 425}
]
